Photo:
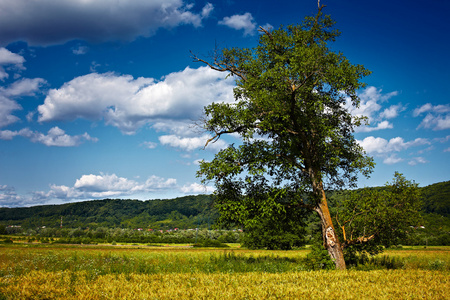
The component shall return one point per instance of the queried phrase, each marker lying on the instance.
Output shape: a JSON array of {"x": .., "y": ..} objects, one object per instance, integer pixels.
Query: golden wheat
[{"x": 396, "y": 284}]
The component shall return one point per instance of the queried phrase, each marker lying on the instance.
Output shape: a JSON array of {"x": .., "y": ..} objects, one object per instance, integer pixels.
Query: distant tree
[
  {"x": 370, "y": 218},
  {"x": 291, "y": 110}
]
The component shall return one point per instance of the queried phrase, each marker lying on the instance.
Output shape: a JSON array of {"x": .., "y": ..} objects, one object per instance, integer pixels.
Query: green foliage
[
  {"x": 291, "y": 110},
  {"x": 291, "y": 90},
  {"x": 266, "y": 215},
  {"x": 318, "y": 258},
  {"x": 371, "y": 217},
  {"x": 210, "y": 243},
  {"x": 436, "y": 198}
]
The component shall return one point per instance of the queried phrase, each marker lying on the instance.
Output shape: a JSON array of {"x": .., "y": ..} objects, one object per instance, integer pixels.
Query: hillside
[{"x": 185, "y": 212}]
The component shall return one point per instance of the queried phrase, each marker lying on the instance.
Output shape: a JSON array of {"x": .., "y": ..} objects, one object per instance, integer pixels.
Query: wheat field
[{"x": 168, "y": 273}]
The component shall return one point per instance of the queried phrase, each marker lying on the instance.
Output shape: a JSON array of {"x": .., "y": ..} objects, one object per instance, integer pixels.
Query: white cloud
[
  {"x": 380, "y": 126},
  {"x": 128, "y": 103},
  {"x": 392, "y": 159},
  {"x": 150, "y": 145},
  {"x": 9, "y": 197},
  {"x": 385, "y": 149},
  {"x": 380, "y": 145},
  {"x": 80, "y": 50},
  {"x": 437, "y": 116},
  {"x": 7, "y": 106},
  {"x": 191, "y": 143},
  {"x": 417, "y": 160},
  {"x": 8, "y": 58},
  {"x": 55, "y": 137},
  {"x": 96, "y": 183},
  {"x": 196, "y": 188},
  {"x": 371, "y": 107},
  {"x": 430, "y": 108},
  {"x": 207, "y": 9},
  {"x": 22, "y": 87},
  {"x": 106, "y": 185},
  {"x": 47, "y": 22},
  {"x": 239, "y": 22},
  {"x": 392, "y": 111}
]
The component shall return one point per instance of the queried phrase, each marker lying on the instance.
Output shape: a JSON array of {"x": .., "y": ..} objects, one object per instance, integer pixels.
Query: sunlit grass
[
  {"x": 381, "y": 284},
  {"x": 130, "y": 272}
]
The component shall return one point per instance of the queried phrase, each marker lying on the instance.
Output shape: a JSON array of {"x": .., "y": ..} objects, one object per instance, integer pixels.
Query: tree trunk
[{"x": 330, "y": 239}]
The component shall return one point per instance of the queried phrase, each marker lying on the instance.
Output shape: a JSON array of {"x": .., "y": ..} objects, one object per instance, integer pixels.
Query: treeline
[
  {"x": 125, "y": 235},
  {"x": 169, "y": 221}
]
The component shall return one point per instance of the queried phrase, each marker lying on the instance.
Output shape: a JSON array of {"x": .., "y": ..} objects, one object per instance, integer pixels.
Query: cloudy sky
[{"x": 98, "y": 98}]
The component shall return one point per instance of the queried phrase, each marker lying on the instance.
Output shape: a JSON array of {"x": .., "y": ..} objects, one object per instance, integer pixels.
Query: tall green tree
[{"x": 291, "y": 110}]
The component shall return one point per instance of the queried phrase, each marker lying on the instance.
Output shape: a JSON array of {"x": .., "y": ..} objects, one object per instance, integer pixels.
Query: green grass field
[{"x": 141, "y": 272}]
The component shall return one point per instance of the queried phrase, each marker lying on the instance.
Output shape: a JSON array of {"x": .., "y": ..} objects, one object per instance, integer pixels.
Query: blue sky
[{"x": 98, "y": 98}]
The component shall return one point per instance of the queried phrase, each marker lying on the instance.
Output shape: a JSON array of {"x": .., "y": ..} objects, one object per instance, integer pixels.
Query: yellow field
[
  {"x": 131, "y": 273},
  {"x": 397, "y": 284}
]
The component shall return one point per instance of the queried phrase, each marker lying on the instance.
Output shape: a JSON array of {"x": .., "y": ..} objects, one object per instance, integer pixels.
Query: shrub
[{"x": 318, "y": 258}]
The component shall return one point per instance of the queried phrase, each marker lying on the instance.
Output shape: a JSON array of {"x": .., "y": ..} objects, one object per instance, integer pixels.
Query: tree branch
[
  {"x": 220, "y": 66},
  {"x": 360, "y": 240}
]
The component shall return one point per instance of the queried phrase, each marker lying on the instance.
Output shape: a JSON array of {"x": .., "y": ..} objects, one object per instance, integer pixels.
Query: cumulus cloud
[
  {"x": 9, "y": 197},
  {"x": 378, "y": 145},
  {"x": 23, "y": 87},
  {"x": 417, "y": 160},
  {"x": 388, "y": 149},
  {"x": 55, "y": 137},
  {"x": 105, "y": 185},
  {"x": 392, "y": 111},
  {"x": 128, "y": 103},
  {"x": 19, "y": 88},
  {"x": 437, "y": 116},
  {"x": 380, "y": 126},
  {"x": 392, "y": 159},
  {"x": 7, "y": 106},
  {"x": 48, "y": 22},
  {"x": 191, "y": 143},
  {"x": 7, "y": 58},
  {"x": 98, "y": 186},
  {"x": 371, "y": 106},
  {"x": 196, "y": 189},
  {"x": 240, "y": 22}
]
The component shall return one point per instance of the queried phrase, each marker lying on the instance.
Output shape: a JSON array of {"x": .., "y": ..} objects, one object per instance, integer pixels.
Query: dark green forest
[{"x": 188, "y": 212}]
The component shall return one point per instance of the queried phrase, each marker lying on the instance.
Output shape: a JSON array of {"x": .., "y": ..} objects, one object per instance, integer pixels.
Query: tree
[
  {"x": 373, "y": 217},
  {"x": 266, "y": 223},
  {"x": 291, "y": 110}
]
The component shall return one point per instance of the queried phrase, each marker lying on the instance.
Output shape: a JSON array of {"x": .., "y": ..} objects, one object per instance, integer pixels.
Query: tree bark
[{"x": 330, "y": 239}]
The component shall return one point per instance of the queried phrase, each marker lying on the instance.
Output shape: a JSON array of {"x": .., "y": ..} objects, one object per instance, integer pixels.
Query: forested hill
[
  {"x": 184, "y": 212},
  {"x": 436, "y": 198}
]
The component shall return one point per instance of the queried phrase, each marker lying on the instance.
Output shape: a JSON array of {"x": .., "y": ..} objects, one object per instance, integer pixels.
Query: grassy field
[{"x": 141, "y": 272}]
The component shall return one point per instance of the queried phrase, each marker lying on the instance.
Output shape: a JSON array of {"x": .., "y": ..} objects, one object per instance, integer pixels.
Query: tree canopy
[
  {"x": 370, "y": 218},
  {"x": 291, "y": 109}
]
